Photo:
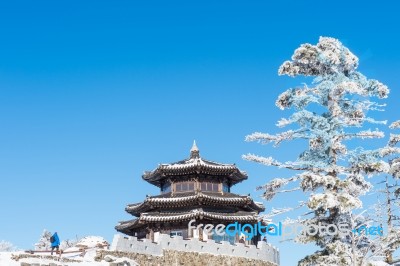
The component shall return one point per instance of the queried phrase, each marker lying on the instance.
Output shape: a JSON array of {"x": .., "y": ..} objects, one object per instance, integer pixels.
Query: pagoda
[{"x": 192, "y": 189}]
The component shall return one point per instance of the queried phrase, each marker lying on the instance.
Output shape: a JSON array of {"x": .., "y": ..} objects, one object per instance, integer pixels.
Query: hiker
[
  {"x": 265, "y": 239},
  {"x": 55, "y": 242},
  {"x": 241, "y": 240}
]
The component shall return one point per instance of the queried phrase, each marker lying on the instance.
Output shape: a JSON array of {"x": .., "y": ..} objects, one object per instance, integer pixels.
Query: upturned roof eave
[
  {"x": 234, "y": 200},
  {"x": 156, "y": 217},
  {"x": 155, "y": 177}
]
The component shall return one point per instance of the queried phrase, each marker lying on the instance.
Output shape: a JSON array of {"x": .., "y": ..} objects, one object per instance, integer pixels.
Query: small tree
[
  {"x": 6, "y": 246},
  {"x": 329, "y": 114},
  {"x": 386, "y": 211},
  {"x": 44, "y": 241},
  {"x": 391, "y": 241},
  {"x": 67, "y": 244}
]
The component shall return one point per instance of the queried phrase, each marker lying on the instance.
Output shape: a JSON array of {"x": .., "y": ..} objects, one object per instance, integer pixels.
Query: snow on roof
[{"x": 194, "y": 164}]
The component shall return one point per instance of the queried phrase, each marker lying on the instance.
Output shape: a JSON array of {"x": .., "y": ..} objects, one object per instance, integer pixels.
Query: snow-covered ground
[
  {"x": 89, "y": 244},
  {"x": 6, "y": 260}
]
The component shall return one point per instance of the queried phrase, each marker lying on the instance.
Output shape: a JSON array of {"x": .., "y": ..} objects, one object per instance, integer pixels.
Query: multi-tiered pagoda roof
[{"x": 194, "y": 188}]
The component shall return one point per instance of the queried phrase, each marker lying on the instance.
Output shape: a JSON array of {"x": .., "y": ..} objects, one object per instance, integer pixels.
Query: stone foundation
[
  {"x": 262, "y": 252},
  {"x": 181, "y": 258},
  {"x": 60, "y": 261},
  {"x": 40, "y": 264}
]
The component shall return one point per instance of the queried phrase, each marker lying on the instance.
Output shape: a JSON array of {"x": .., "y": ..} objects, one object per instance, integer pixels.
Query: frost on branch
[
  {"x": 395, "y": 124},
  {"x": 355, "y": 184},
  {"x": 367, "y": 134},
  {"x": 274, "y": 212},
  {"x": 394, "y": 163},
  {"x": 259, "y": 159},
  {"x": 336, "y": 253},
  {"x": 264, "y": 138},
  {"x": 394, "y": 139},
  {"x": 376, "y": 88},
  {"x": 395, "y": 167},
  {"x": 342, "y": 201},
  {"x": 270, "y": 189},
  {"x": 299, "y": 98},
  {"x": 371, "y": 162},
  {"x": 312, "y": 181},
  {"x": 386, "y": 151}
]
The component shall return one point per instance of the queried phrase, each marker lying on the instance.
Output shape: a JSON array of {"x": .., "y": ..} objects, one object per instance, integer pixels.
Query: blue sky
[{"x": 92, "y": 94}]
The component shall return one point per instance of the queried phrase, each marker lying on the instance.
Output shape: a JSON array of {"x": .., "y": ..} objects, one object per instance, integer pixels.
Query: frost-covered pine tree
[{"x": 329, "y": 115}]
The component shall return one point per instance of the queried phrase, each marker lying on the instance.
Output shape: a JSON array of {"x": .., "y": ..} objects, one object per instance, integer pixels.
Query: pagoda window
[
  {"x": 225, "y": 187},
  {"x": 191, "y": 186},
  {"x": 208, "y": 186},
  {"x": 175, "y": 233},
  {"x": 166, "y": 188},
  {"x": 184, "y": 186}
]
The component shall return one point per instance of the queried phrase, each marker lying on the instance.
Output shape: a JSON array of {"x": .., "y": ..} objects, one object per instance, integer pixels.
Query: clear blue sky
[{"x": 94, "y": 93}]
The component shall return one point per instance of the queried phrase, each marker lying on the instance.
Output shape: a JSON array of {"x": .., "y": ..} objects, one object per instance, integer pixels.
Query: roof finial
[{"x": 194, "y": 151}]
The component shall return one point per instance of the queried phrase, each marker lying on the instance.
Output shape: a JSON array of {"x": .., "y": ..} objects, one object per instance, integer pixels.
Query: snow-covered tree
[
  {"x": 395, "y": 161},
  {"x": 389, "y": 216},
  {"x": 67, "y": 244},
  {"x": 385, "y": 211},
  {"x": 44, "y": 241},
  {"x": 391, "y": 241},
  {"x": 330, "y": 114},
  {"x": 6, "y": 246}
]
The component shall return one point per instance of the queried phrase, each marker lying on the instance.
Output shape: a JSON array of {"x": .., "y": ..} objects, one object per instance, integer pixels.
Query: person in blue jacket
[{"x": 55, "y": 242}]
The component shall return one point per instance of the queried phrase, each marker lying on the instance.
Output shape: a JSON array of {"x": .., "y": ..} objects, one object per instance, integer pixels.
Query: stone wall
[
  {"x": 263, "y": 252},
  {"x": 181, "y": 258}
]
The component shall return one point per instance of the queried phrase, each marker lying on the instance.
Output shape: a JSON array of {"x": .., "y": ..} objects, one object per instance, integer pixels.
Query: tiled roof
[
  {"x": 162, "y": 217},
  {"x": 194, "y": 165},
  {"x": 200, "y": 214},
  {"x": 193, "y": 199}
]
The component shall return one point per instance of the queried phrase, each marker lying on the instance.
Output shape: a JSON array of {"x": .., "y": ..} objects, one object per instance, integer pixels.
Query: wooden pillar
[
  {"x": 190, "y": 233},
  {"x": 151, "y": 234},
  {"x": 201, "y": 234}
]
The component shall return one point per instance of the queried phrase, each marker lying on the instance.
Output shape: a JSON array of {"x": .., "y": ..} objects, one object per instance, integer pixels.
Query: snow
[
  {"x": 88, "y": 260},
  {"x": 91, "y": 244},
  {"x": 377, "y": 263},
  {"x": 6, "y": 259}
]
